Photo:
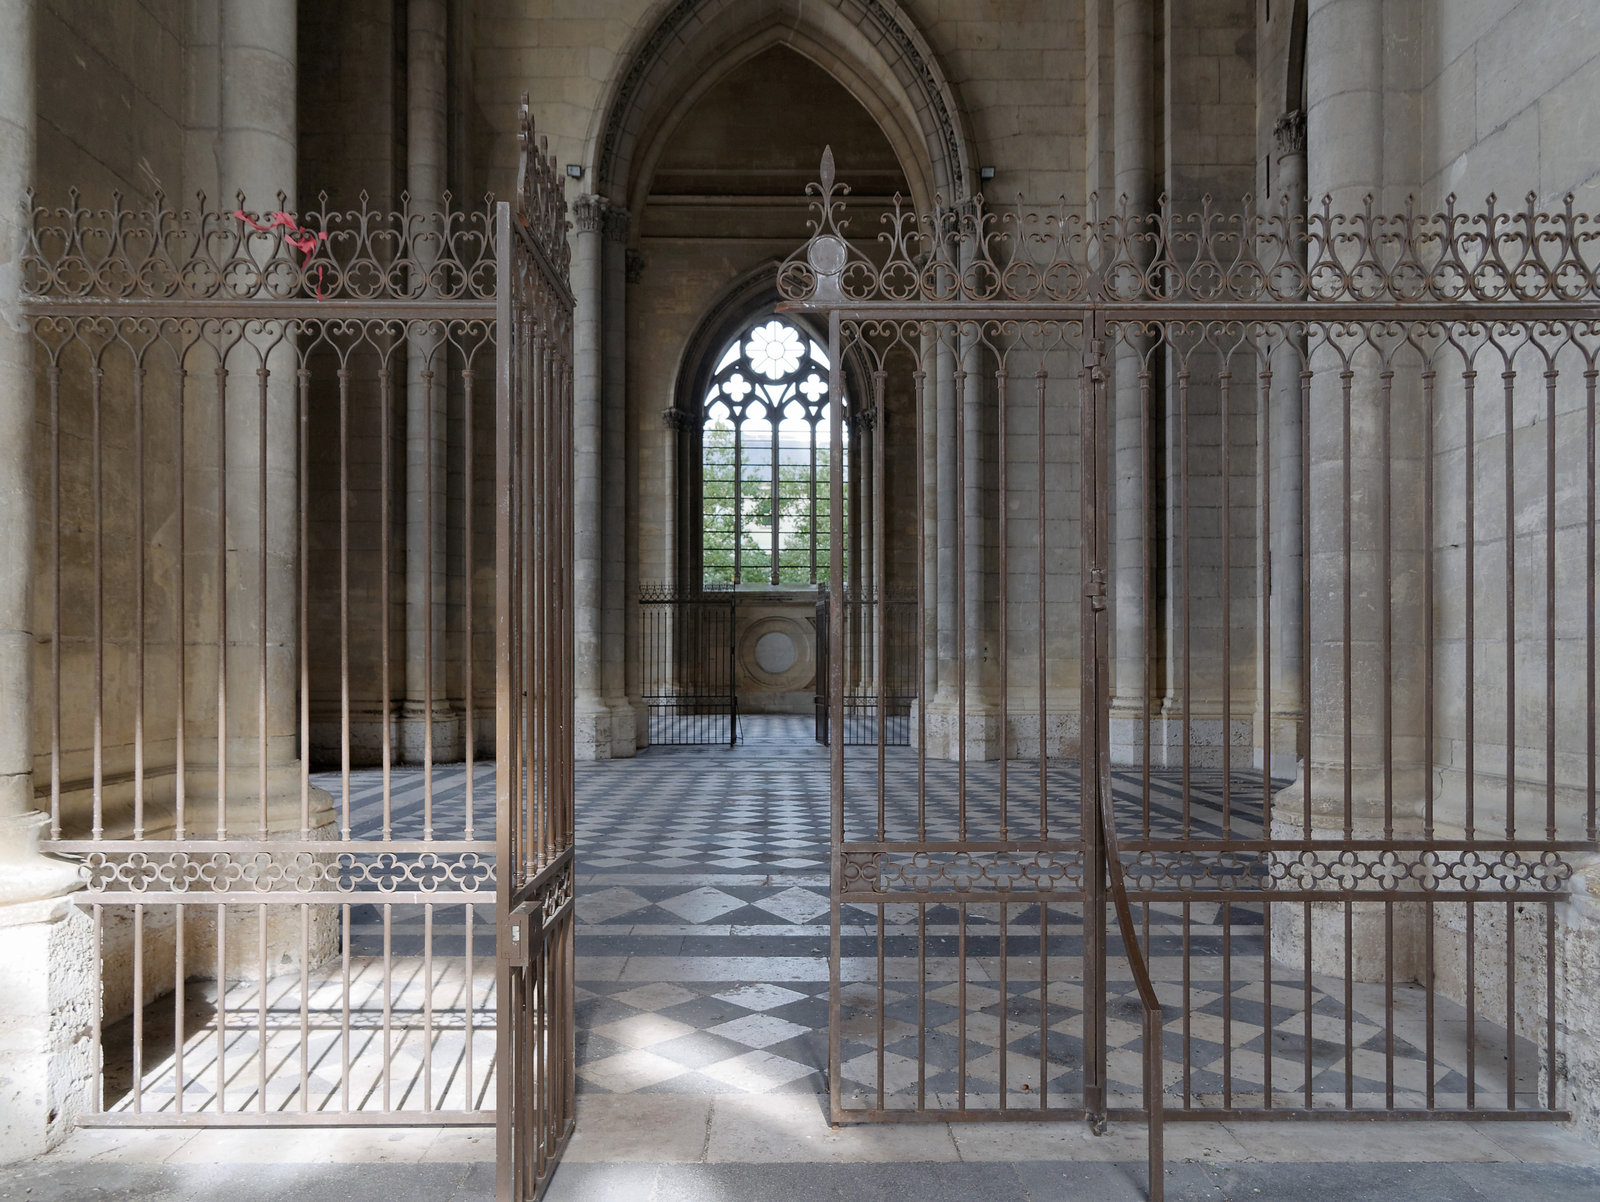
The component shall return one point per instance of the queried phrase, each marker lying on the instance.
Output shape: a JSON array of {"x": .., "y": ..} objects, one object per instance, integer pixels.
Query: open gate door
[
  {"x": 1234, "y": 585},
  {"x": 970, "y": 890},
  {"x": 534, "y": 632}
]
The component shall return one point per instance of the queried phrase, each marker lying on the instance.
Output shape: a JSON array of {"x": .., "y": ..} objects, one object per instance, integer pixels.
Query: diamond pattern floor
[{"x": 703, "y": 950}]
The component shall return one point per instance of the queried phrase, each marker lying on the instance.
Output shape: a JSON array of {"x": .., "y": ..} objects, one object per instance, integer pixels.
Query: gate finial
[{"x": 814, "y": 272}]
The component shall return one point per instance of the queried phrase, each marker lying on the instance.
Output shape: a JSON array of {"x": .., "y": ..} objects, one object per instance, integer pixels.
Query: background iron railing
[{"x": 686, "y": 648}]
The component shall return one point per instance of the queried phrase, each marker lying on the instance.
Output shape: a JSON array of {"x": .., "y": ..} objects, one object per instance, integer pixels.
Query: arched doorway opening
[{"x": 710, "y": 863}]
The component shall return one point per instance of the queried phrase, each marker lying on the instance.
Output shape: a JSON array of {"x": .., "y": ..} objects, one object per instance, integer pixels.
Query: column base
[
  {"x": 981, "y": 732},
  {"x": 1063, "y": 734},
  {"x": 1578, "y": 1003},
  {"x": 406, "y": 732},
  {"x": 1373, "y": 952},
  {"x": 1062, "y": 731},
  {"x": 1203, "y": 737},
  {"x": 1284, "y": 743},
  {"x": 1134, "y": 731},
  {"x": 47, "y": 994},
  {"x": 591, "y": 731},
  {"x": 243, "y": 814},
  {"x": 624, "y": 724},
  {"x": 411, "y": 728},
  {"x": 609, "y": 730}
]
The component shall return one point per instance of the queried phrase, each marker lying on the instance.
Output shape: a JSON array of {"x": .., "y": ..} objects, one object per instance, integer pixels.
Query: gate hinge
[
  {"x": 1095, "y": 590},
  {"x": 1092, "y": 360}
]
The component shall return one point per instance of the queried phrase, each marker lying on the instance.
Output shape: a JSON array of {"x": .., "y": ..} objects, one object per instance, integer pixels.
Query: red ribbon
[{"x": 296, "y": 235}]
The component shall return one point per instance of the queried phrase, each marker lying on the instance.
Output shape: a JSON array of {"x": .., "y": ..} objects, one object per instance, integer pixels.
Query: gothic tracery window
[{"x": 764, "y": 460}]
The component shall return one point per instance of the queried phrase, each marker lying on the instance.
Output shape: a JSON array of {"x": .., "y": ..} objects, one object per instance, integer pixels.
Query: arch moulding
[{"x": 871, "y": 46}]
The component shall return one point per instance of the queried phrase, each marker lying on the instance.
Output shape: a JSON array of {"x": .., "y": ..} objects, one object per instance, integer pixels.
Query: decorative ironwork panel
[
  {"x": 1255, "y": 740},
  {"x": 302, "y": 874}
]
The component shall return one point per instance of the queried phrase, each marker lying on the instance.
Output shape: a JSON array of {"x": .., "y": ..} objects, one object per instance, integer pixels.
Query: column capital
[
  {"x": 1289, "y": 133},
  {"x": 588, "y": 211},
  {"x": 676, "y": 419}
]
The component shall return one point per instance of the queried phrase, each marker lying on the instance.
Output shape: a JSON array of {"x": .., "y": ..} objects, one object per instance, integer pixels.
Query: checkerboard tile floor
[
  {"x": 703, "y": 949},
  {"x": 703, "y": 946}
]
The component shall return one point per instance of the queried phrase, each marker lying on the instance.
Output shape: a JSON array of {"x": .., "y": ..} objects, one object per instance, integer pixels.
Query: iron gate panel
[
  {"x": 863, "y": 631},
  {"x": 536, "y": 641},
  {"x": 292, "y": 926},
  {"x": 1287, "y": 773},
  {"x": 686, "y": 649},
  {"x": 301, "y": 913}
]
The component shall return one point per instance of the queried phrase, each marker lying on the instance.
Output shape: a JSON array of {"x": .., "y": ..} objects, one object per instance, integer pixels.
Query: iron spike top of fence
[
  {"x": 156, "y": 252},
  {"x": 1249, "y": 254},
  {"x": 541, "y": 194}
]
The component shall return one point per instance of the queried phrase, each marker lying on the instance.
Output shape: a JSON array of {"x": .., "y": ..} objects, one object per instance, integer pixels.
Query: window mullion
[
  {"x": 812, "y": 498},
  {"x": 738, "y": 497},
  {"x": 776, "y": 420}
]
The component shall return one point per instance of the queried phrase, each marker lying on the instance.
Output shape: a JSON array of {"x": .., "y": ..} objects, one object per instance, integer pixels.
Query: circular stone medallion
[{"x": 776, "y": 652}]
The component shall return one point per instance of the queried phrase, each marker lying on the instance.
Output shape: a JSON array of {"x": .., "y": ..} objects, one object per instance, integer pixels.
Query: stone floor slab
[
  {"x": 795, "y": 1128},
  {"x": 640, "y": 1127}
]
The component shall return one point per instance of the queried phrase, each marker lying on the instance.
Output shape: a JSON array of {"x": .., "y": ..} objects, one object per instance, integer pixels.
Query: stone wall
[
  {"x": 111, "y": 99},
  {"x": 112, "y": 90},
  {"x": 1501, "y": 84},
  {"x": 1507, "y": 96}
]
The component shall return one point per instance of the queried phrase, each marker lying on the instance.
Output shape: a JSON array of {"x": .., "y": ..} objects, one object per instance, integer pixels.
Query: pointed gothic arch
[{"x": 871, "y": 46}]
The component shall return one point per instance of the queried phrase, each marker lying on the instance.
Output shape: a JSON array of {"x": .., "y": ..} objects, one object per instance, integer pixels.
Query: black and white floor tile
[
  {"x": 703, "y": 945},
  {"x": 703, "y": 877}
]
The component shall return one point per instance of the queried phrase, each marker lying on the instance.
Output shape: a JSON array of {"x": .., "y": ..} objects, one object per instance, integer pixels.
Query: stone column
[
  {"x": 257, "y": 160},
  {"x": 16, "y": 413},
  {"x": 592, "y": 737},
  {"x": 427, "y": 722},
  {"x": 619, "y": 481},
  {"x": 1355, "y": 87},
  {"x": 964, "y": 706},
  {"x": 1280, "y": 450},
  {"x": 947, "y": 638},
  {"x": 47, "y": 992},
  {"x": 261, "y": 785},
  {"x": 864, "y": 661},
  {"x": 1133, "y": 133},
  {"x": 977, "y": 398},
  {"x": 661, "y": 500},
  {"x": 1099, "y": 81},
  {"x": 932, "y": 580}
]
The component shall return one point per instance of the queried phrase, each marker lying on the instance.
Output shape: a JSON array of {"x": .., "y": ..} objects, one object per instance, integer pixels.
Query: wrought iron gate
[
  {"x": 1266, "y": 715},
  {"x": 279, "y": 801},
  {"x": 535, "y": 647},
  {"x": 866, "y": 625},
  {"x": 688, "y": 682}
]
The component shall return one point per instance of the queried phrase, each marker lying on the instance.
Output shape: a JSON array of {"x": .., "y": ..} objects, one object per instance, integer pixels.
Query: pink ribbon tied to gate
[{"x": 296, "y": 235}]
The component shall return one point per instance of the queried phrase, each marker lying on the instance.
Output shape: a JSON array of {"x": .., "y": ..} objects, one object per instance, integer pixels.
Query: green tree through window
[{"x": 765, "y": 468}]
